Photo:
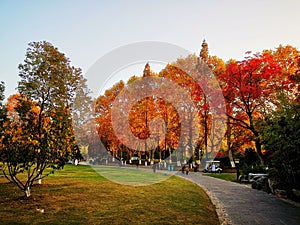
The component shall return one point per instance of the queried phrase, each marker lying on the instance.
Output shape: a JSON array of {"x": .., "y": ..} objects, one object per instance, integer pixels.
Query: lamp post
[{"x": 237, "y": 162}]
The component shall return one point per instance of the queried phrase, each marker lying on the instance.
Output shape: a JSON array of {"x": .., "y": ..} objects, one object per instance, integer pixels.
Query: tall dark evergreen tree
[
  {"x": 204, "y": 54},
  {"x": 3, "y": 116}
]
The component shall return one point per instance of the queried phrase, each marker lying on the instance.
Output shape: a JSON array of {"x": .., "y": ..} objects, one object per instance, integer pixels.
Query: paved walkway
[{"x": 240, "y": 204}]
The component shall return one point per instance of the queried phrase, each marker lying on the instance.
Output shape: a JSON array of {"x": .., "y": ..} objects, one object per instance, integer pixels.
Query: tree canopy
[{"x": 39, "y": 133}]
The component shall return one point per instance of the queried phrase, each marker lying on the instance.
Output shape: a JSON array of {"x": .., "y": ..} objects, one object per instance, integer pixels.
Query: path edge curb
[{"x": 220, "y": 210}]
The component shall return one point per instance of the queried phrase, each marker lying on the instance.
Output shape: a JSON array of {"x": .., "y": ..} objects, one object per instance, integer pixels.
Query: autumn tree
[
  {"x": 247, "y": 87},
  {"x": 177, "y": 73},
  {"x": 41, "y": 117},
  {"x": 288, "y": 57},
  {"x": 140, "y": 113},
  {"x": 217, "y": 67},
  {"x": 199, "y": 81},
  {"x": 91, "y": 140},
  {"x": 103, "y": 121},
  {"x": 204, "y": 57},
  {"x": 20, "y": 146},
  {"x": 250, "y": 89},
  {"x": 237, "y": 140},
  {"x": 170, "y": 131}
]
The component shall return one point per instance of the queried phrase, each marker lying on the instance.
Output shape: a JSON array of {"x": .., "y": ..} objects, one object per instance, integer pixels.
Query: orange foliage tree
[
  {"x": 21, "y": 146},
  {"x": 250, "y": 88},
  {"x": 145, "y": 143},
  {"x": 164, "y": 105}
]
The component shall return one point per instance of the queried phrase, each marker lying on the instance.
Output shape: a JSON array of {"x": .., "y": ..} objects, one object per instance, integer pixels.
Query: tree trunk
[
  {"x": 40, "y": 179},
  {"x": 152, "y": 156},
  {"x": 258, "y": 150},
  {"x": 231, "y": 158},
  {"x": 170, "y": 156},
  {"x": 27, "y": 192},
  {"x": 205, "y": 136},
  {"x": 257, "y": 141},
  {"x": 229, "y": 143}
]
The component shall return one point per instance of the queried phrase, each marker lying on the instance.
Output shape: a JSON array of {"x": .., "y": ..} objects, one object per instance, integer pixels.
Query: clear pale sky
[{"x": 85, "y": 30}]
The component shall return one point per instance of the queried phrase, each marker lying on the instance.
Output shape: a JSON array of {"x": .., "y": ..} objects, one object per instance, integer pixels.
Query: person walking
[
  {"x": 154, "y": 168},
  {"x": 213, "y": 168},
  {"x": 182, "y": 169}
]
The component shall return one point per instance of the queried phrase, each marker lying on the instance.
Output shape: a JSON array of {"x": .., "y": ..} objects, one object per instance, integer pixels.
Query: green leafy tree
[
  {"x": 281, "y": 132},
  {"x": 41, "y": 116},
  {"x": 82, "y": 111}
]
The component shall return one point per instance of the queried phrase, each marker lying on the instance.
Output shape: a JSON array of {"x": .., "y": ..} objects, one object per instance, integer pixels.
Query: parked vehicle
[{"x": 212, "y": 166}]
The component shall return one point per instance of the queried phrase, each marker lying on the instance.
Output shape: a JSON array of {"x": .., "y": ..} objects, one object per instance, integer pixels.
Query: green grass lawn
[
  {"x": 79, "y": 195},
  {"x": 131, "y": 175},
  {"x": 223, "y": 176}
]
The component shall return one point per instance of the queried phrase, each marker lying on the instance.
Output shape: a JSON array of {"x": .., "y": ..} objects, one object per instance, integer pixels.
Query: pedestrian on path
[
  {"x": 187, "y": 170},
  {"x": 154, "y": 168},
  {"x": 213, "y": 168}
]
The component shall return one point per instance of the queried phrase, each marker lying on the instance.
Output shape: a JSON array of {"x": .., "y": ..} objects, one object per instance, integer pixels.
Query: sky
[{"x": 86, "y": 30}]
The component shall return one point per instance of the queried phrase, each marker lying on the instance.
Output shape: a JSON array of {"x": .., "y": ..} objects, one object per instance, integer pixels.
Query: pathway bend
[{"x": 240, "y": 204}]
